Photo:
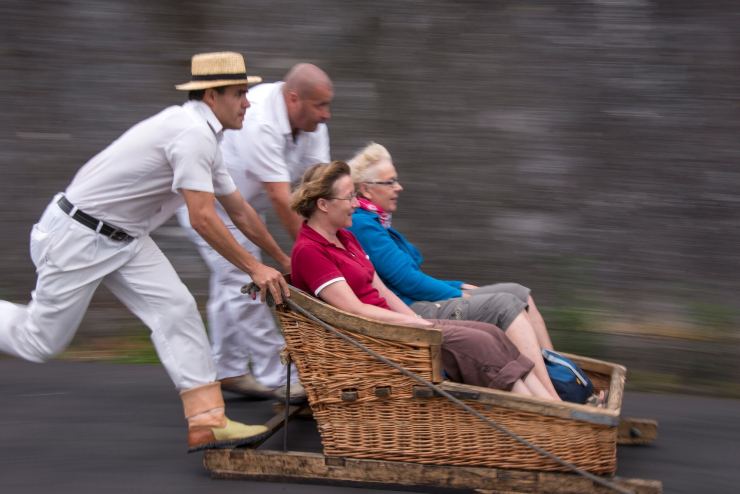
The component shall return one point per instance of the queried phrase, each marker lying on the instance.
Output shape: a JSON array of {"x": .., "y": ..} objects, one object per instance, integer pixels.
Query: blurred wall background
[{"x": 587, "y": 149}]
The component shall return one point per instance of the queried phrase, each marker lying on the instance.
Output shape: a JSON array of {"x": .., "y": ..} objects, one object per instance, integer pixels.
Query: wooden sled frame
[{"x": 313, "y": 468}]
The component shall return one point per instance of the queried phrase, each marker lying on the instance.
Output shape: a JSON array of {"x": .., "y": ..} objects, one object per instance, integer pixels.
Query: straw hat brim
[{"x": 196, "y": 85}]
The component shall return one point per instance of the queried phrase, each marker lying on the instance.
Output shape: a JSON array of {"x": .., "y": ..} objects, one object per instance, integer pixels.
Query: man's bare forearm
[
  {"x": 208, "y": 224},
  {"x": 279, "y": 193},
  {"x": 247, "y": 220}
]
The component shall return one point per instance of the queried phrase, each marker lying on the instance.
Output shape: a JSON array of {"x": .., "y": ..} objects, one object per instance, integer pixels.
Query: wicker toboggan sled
[{"x": 369, "y": 413}]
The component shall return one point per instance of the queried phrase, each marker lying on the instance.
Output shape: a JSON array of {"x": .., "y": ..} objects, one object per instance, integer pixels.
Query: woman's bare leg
[
  {"x": 537, "y": 389},
  {"x": 521, "y": 333},
  {"x": 521, "y": 388},
  {"x": 538, "y": 324}
]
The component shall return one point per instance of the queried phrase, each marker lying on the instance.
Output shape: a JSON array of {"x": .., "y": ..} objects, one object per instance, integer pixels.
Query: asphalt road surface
[{"x": 76, "y": 427}]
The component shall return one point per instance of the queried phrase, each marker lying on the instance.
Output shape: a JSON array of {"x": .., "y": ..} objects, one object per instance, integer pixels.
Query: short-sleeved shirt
[
  {"x": 317, "y": 263},
  {"x": 134, "y": 182},
  {"x": 264, "y": 149}
]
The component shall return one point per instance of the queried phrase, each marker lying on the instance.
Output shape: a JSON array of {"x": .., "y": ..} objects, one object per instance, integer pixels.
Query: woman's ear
[
  {"x": 321, "y": 204},
  {"x": 363, "y": 190}
]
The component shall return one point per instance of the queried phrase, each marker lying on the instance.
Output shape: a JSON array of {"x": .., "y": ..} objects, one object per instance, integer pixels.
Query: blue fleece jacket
[{"x": 398, "y": 262}]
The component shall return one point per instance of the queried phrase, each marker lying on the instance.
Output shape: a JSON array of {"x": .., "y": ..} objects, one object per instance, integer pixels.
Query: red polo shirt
[{"x": 317, "y": 263}]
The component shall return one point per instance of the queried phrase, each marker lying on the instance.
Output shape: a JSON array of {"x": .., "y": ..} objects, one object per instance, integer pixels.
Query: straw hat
[{"x": 225, "y": 68}]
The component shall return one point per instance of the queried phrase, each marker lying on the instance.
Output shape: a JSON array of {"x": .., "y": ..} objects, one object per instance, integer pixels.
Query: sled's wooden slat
[
  {"x": 637, "y": 431},
  {"x": 369, "y": 327},
  {"x": 616, "y": 388},
  {"x": 435, "y": 353},
  {"x": 512, "y": 401},
  {"x": 593, "y": 365},
  {"x": 316, "y": 468}
]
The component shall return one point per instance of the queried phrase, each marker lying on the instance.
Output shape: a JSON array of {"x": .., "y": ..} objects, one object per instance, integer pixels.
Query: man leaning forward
[{"x": 97, "y": 231}]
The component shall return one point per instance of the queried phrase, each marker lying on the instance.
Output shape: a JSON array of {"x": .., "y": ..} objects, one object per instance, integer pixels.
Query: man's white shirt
[
  {"x": 264, "y": 150},
  {"x": 133, "y": 183}
]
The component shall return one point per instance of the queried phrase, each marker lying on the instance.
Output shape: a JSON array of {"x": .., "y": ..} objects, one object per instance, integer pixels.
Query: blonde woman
[{"x": 506, "y": 305}]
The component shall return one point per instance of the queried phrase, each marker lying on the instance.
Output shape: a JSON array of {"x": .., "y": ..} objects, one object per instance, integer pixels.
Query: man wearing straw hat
[
  {"x": 97, "y": 231},
  {"x": 284, "y": 133}
]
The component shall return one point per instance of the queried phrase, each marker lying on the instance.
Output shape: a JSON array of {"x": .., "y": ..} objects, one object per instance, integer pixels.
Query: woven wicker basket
[{"x": 366, "y": 409}]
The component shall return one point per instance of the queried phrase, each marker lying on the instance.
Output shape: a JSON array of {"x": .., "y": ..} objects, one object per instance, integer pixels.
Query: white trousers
[
  {"x": 244, "y": 335},
  {"x": 71, "y": 261}
]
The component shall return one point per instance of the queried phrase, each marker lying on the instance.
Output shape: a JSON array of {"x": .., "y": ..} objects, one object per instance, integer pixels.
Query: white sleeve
[
  {"x": 223, "y": 184},
  {"x": 191, "y": 155},
  {"x": 264, "y": 154}
]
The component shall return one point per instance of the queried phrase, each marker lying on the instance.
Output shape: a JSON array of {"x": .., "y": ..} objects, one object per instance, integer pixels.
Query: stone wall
[{"x": 585, "y": 148}]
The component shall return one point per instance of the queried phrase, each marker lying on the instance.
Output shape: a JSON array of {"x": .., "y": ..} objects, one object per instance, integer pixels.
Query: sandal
[{"x": 597, "y": 400}]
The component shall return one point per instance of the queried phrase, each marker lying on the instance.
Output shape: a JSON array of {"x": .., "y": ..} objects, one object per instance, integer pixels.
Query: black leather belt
[{"x": 102, "y": 228}]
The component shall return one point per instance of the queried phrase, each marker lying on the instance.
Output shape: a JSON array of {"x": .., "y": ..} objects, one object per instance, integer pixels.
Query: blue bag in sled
[{"x": 571, "y": 383}]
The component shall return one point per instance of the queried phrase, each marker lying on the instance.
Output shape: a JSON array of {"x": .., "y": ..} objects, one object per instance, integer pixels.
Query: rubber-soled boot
[{"x": 208, "y": 426}]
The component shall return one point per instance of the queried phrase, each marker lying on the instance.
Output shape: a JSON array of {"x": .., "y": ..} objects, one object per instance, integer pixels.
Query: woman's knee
[
  {"x": 473, "y": 340},
  {"x": 502, "y": 309},
  {"x": 519, "y": 291}
]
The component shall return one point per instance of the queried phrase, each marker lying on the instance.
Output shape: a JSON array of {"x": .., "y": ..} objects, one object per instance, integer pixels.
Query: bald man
[{"x": 284, "y": 133}]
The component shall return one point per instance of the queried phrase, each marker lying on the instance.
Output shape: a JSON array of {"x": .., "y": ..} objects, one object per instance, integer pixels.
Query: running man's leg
[
  {"x": 70, "y": 260},
  {"x": 244, "y": 326},
  {"x": 149, "y": 286}
]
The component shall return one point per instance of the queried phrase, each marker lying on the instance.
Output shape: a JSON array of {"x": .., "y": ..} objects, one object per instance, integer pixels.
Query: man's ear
[
  {"x": 293, "y": 97},
  {"x": 209, "y": 96}
]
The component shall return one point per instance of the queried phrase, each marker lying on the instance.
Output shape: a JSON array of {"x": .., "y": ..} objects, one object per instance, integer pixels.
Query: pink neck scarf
[{"x": 367, "y": 205}]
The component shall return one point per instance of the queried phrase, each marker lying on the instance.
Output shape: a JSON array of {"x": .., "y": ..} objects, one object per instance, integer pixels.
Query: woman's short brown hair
[{"x": 317, "y": 183}]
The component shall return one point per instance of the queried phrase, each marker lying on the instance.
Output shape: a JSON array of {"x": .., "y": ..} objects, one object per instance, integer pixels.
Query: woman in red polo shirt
[{"x": 328, "y": 262}]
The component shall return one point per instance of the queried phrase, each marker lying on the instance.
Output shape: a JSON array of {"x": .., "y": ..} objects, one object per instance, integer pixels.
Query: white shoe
[
  {"x": 247, "y": 386},
  {"x": 297, "y": 394}
]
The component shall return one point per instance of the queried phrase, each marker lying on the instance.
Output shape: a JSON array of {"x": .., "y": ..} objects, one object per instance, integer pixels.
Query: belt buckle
[{"x": 119, "y": 236}]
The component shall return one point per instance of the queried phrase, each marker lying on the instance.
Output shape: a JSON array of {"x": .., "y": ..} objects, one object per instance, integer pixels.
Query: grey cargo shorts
[{"x": 497, "y": 304}]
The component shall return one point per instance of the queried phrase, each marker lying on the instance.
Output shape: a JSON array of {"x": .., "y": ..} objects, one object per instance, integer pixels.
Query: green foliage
[
  {"x": 567, "y": 319},
  {"x": 570, "y": 329},
  {"x": 132, "y": 347},
  {"x": 719, "y": 321},
  {"x": 138, "y": 350},
  {"x": 660, "y": 382}
]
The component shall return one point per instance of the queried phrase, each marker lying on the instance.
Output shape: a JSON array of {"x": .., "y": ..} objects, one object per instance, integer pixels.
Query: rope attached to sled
[{"x": 594, "y": 478}]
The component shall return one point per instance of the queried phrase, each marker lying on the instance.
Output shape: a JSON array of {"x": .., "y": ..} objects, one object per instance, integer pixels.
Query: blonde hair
[
  {"x": 317, "y": 183},
  {"x": 363, "y": 162}
]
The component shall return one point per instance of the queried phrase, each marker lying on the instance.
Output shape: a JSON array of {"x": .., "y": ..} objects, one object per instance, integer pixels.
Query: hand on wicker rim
[{"x": 269, "y": 282}]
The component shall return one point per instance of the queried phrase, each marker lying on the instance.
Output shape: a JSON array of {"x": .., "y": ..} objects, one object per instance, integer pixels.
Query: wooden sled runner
[{"x": 379, "y": 426}]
